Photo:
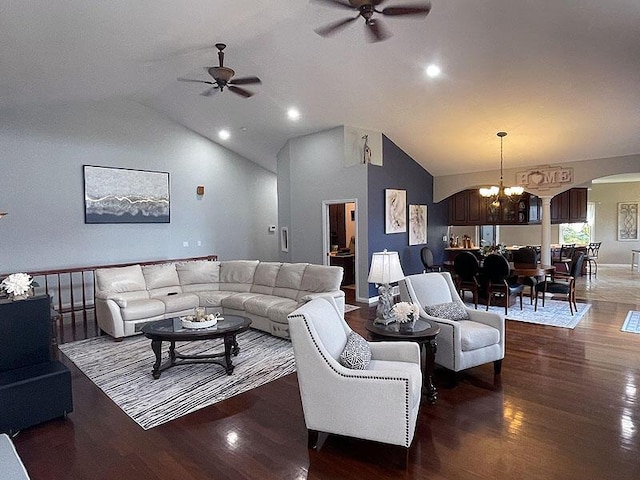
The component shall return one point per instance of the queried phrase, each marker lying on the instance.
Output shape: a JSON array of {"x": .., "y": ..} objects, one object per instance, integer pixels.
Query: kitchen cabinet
[
  {"x": 470, "y": 208},
  {"x": 569, "y": 206}
]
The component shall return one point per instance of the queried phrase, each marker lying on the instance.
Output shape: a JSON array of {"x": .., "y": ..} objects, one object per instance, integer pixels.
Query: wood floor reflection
[{"x": 565, "y": 407}]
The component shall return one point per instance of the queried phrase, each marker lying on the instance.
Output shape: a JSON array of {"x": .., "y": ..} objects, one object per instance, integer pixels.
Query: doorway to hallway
[{"x": 340, "y": 242}]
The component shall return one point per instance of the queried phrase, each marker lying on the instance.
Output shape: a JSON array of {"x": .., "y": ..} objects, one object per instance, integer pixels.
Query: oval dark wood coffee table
[
  {"x": 424, "y": 334},
  {"x": 171, "y": 330}
]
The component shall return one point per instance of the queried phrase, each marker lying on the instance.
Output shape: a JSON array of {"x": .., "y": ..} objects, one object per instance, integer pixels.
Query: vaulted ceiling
[{"x": 561, "y": 77}]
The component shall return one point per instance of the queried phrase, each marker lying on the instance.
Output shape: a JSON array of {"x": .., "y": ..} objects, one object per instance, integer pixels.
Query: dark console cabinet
[{"x": 34, "y": 388}]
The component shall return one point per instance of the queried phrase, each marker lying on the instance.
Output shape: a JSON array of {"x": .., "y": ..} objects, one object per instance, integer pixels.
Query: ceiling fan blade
[
  {"x": 244, "y": 81},
  {"x": 377, "y": 32},
  {"x": 406, "y": 10},
  {"x": 336, "y": 3},
  {"x": 209, "y": 91},
  {"x": 334, "y": 27},
  {"x": 240, "y": 91},
  {"x": 180, "y": 79}
]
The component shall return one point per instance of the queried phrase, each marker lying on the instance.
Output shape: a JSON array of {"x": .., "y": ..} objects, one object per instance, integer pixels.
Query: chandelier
[{"x": 500, "y": 193}]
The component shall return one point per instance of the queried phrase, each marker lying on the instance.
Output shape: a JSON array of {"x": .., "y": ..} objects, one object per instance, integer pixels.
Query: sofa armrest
[
  {"x": 338, "y": 294},
  {"x": 395, "y": 351}
]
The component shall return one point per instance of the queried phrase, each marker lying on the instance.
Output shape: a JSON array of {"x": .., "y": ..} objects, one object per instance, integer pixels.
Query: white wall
[{"x": 41, "y": 186}]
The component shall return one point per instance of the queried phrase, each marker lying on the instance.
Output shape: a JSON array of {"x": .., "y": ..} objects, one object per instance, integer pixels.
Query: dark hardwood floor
[{"x": 565, "y": 407}]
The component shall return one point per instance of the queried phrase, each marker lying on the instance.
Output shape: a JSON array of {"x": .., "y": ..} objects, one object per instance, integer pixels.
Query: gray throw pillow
[
  {"x": 449, "y": 310},
  {"x": 356, "y": 353}
]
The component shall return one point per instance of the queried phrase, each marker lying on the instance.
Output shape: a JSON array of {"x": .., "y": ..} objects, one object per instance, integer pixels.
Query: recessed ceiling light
[
  {"x": 224, "y": 134},
  {"x": 293, "y": 113},
  {"x": 433, "y": 70}
]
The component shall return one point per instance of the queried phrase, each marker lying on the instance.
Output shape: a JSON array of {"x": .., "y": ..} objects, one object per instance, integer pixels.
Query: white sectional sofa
[{"x": 266, "y": 292}]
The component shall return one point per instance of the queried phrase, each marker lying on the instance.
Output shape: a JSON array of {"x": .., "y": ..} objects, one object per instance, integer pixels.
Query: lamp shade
[{"x": 385, "y": 268}]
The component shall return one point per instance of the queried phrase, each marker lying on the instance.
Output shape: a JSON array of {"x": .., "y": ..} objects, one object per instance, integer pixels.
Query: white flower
[
  {"x": 406, "y": 312},
  {"x": 17, "y": 283}
]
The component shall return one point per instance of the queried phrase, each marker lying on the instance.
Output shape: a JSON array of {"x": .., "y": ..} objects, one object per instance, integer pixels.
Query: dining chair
[
  {"x": 564, "y": 256},
  {"x": 426, "y": 256},
  {"x": 592, "y": 256},
  {"x": 466, "y": 268},
  {"x": 527, "y": 256},
  {"x": 563, "y": 284},
  {"x": 496, "y": 280}
]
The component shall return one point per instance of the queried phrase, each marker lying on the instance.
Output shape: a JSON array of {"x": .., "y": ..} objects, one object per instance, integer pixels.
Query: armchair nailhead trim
[{"x": 406, "y": 382}]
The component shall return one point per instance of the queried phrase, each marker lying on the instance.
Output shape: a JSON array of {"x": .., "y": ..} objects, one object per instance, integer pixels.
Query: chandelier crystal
[{"x": 500, "y": 193}]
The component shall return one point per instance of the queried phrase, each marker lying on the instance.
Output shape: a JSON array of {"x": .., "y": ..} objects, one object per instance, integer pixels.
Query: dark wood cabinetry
[
  {"x": 470, "y": 208},
  {"x": 569, "y": 206}
]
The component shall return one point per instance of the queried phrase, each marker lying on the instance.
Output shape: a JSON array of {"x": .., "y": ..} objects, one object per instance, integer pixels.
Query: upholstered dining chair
[
  {"x": 529, "y": 257},
  {"x": 426, "y": 256},
  {"x": 563, "y": 284},
  {"x": 466, "y": 267},
  {"x": 379, "y": 402},
  {"x": 475, "y": 339},
  {"x": 497, "y": 282}
]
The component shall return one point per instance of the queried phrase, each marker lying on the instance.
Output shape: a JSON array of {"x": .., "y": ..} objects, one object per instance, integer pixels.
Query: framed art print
[
  {"x": 122, "y": 195},
  {"x": 395, "y": 206},
  {"x": 417, "y": 224}
]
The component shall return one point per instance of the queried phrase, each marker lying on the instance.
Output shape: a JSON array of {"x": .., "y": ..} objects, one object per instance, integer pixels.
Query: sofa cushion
[
  {"x": 321, "y": 278},
  {"x": 356, "y": 354},
  {"x": 199, "y": 272},
  {"x": 278, "y": 312},
  {"x": 139, "y": 309},
  {"x": 212, "y": 298},
  {"x": 179, "y": 302},
  {"x": 237, "y": 275},
  {"x": 264, "y": 278},
  {"x": 237, "y": 300},
  {"x": 476, "y": 335},
  {"x": 120, "y": 279},
  {"x": 158, "y": 276},
  {"x": 261, "y": 304},
  {"x": 289, "y": 279},
  {"x": 448, "y": 310}
]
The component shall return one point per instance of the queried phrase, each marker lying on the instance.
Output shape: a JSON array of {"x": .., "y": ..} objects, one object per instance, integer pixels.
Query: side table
[{"x": 424, "y": 334}]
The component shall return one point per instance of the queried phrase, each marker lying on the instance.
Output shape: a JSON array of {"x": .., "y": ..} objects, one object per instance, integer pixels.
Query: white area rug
[
  {"x": 122, "y": 370},
  {"x": 350, "y": 308},
  {"x": 632, "y": 322},
  {"x": 554, "y": 313}
]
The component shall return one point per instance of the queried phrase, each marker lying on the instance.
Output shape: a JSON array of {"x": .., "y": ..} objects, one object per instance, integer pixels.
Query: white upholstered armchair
[
  {"x": 378, "y": 403},
  {"x": 462, "y": 344}
]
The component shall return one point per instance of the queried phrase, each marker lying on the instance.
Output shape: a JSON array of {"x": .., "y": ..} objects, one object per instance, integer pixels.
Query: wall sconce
[{"x": 200, "y": 190}]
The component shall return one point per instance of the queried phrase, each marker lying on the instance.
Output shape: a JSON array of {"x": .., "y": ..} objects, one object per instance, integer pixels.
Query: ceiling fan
[
  {"x": 366, "y": 9},
  {"x": 223, "y": 77}
]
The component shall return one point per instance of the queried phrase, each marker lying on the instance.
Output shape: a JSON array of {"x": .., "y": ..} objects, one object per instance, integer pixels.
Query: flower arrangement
[
  {"x": 405, "y": 312},
  {"x": 18, "y": 284},
  {"x": 489, "y": 249}
]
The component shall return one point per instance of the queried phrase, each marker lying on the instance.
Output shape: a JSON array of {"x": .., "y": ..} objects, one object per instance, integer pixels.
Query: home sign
[{"x": 543, "y": 178}]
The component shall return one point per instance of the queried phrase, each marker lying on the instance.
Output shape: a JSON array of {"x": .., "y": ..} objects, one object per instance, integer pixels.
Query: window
[{"x": 580, "y": 233}]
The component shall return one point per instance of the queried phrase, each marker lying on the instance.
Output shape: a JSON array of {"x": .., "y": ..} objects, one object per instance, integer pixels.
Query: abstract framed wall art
[
  {"x": 628, "y": 221},
  {"x": 122, "y": 195},
  {"x": 417, "y": 224},
  {"x": 395, "y": 206}
]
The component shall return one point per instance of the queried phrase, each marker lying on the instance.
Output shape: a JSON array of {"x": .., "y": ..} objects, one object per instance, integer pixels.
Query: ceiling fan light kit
[
  {"x": 367, "y": 9},
  {"x": 223, "y": 77}
]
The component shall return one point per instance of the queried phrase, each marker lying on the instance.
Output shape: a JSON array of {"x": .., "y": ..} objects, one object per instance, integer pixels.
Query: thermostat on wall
[{"x": 272, "y": 228}]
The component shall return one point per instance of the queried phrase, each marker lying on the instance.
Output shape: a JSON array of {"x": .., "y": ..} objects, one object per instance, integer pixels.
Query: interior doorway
[{"x": 340, "y": 242}]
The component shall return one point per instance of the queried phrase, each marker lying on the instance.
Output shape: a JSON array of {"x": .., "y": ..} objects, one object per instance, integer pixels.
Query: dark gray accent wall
[{"x": 400, "y": 171}]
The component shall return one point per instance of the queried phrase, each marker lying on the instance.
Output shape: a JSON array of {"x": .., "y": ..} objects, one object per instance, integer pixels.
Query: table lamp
[{"x": 385, "y": 269}]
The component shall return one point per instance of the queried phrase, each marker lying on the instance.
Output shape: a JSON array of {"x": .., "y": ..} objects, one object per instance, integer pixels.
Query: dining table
[{"x": 528, "y": 270}]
